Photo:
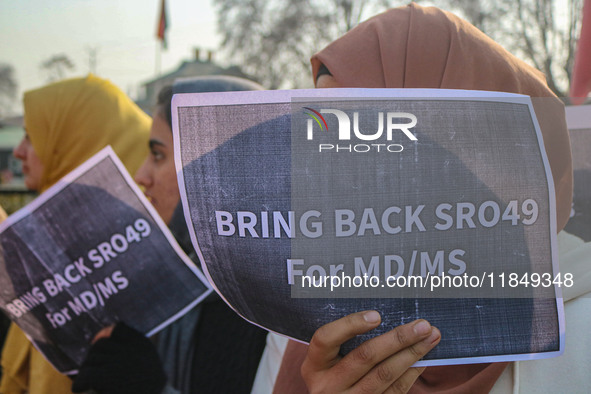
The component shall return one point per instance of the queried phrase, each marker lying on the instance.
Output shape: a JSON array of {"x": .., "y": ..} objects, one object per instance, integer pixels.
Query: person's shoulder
[
  {"x": 270, "y": 363},
  {"x": 573, "y": 259},
  {"x": 568, "y": 373}
]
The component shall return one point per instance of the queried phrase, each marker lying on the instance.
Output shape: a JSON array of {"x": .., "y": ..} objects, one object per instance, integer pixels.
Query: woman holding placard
[
  {"x": 211, "y": 348},
  {"x": 66, "y": 123},
  {"x": 417, "y": 47}
]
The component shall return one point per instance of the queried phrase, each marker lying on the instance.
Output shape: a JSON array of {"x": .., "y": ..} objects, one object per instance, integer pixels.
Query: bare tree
[
  {"x": 57, "y": 67},
  {"x": 8, "y": 89},
  {"x": 544, "y": 33},
  {"x": 274, "y": 39}
]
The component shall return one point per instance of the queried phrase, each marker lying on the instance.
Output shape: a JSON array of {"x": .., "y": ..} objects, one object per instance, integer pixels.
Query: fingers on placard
[
  {"x": 327, "y": 340},
  {"x": 386, "y": 374}
]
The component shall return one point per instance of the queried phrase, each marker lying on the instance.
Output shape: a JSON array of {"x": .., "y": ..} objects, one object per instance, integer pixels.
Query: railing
[{"x": 14, "y": 199}]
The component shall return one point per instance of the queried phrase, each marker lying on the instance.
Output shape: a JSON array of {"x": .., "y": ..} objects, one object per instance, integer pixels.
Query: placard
[
  {"x": 308, "y": 205},
  {"x": 87, "y": 253}
]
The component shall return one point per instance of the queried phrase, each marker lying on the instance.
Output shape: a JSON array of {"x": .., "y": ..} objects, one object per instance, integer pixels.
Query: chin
[
  {"x": 167, "y": 219},
  {"x": 31, "y": 185}
]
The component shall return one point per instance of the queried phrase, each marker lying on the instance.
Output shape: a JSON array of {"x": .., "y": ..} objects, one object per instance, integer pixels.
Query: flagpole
[
  {"x": 161, "y": 34},
  {"x": 158, "y": 69}
]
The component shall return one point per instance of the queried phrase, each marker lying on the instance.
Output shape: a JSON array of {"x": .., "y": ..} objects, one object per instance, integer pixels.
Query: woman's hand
[{"x": 381, "y": 364}]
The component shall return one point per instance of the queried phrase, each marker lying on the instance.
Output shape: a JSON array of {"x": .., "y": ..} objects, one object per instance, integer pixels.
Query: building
[
  {"x": 13, "y": 193},
  {"x": 11, "y": 133},
  {"x": 188, "y": 68}
]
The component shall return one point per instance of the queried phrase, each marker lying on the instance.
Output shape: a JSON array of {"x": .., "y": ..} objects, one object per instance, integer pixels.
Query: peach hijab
[
  {"x": 71, "y": 120},
  {"x": 425, "y": 47}
]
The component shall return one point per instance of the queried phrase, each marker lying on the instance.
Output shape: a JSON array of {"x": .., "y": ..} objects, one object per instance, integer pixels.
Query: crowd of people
[{"x": 213, "y": 350}]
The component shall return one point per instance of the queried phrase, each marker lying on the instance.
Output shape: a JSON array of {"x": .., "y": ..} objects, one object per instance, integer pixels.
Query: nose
[
  {"x": 142, "y": 176},
  {"x": 20, "y": 151}
]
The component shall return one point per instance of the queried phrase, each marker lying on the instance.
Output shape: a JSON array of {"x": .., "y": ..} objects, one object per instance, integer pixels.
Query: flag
[
  {"x": 581, "y": 78},
  {"x": 162, "y": 25}
]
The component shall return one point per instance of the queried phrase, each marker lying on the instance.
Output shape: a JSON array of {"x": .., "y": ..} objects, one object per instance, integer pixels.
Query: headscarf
[
  {"x": 214, "y": 83},
  {"x": 68, "y": 122},
  {"x": 425, "y": 47},
  {"x": 204, "y": 84},
  {"x": 71, "y": 120}
]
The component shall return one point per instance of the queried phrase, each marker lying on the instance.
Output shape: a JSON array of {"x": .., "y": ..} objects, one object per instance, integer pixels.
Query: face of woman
[
  {"x": 32, "y": 166},
  {"x": 157, "y": 174},
  {"x": 326, "y": 81}
]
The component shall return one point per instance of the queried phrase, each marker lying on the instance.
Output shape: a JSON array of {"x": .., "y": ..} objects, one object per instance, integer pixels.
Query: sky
[{"x": 122, "y": 33}]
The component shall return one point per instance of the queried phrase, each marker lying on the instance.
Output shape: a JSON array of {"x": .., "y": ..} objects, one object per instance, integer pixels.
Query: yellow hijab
[
  {"x": 68, "y": 122},
  {"x": 71, "y": 120}
]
